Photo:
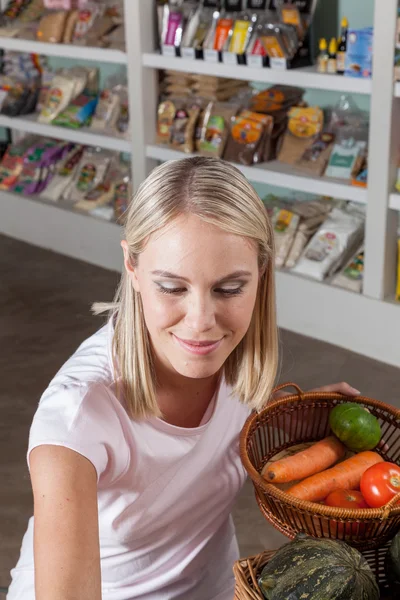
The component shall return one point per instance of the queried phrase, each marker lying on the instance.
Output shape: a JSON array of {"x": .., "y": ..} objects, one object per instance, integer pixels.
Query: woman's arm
[{"x": 66, "y": 531}]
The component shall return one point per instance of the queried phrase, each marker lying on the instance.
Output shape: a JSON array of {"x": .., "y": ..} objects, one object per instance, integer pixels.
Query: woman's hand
[{"x": 338, "y": 388}]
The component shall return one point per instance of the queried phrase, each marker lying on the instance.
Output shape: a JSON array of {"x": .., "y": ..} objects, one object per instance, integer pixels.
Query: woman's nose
[{"x": 200, "y": 314}]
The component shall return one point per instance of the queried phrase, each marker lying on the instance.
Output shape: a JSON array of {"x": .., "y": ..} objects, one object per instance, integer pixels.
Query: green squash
[
  {"x": 318, "y": 569},
  {"x": 392, "y": 565},
  {"x": 355, "y": 427}
]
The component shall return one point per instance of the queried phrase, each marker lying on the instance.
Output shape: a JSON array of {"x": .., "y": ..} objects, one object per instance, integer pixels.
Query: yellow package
[
  {"x": 398, "y": 272},
  {"x": 239, "y": 37},
  {"x": 273, "y": 46},
  {"x": 305, "y": 122}
]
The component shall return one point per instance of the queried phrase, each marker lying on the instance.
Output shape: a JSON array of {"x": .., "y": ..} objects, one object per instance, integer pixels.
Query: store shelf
[
  {"x": 101, "y": 55},
  {"x": 306, "y": 77},
  {"x": 394, "y": 201},
  {"x": 59, "y": 228},
  {"x": 29, "y": 124},
  {"x": 281, "y": 175}
]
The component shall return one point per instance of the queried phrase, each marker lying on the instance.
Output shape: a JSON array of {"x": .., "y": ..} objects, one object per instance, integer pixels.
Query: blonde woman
[{"x": 133, "y": 451}]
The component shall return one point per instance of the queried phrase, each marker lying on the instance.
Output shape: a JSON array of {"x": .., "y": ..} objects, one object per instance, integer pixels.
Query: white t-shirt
[{"x": 165, "y": 493}]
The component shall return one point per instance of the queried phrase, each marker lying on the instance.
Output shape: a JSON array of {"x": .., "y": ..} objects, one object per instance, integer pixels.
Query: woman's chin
[{"x": 197, "y": 371}]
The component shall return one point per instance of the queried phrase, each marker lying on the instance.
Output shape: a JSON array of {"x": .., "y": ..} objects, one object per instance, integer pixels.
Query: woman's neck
[{"x": 183, "y": 400}]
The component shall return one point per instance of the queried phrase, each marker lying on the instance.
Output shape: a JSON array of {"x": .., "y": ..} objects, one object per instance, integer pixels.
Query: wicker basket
[
  {"x": 304, "y": 417},
  {"x": 247, "y": 571}
]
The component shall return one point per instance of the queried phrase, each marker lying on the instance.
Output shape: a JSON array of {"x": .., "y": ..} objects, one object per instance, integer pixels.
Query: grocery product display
[
  {"x": 223, "y": 118},
  {"x": 68, "y": 97},
  {"x": 254, "y": 32},
  {"x": 86, "y": 179},
  {"x": 84, "y": 22},
  {"x": 319, "y": 239}
]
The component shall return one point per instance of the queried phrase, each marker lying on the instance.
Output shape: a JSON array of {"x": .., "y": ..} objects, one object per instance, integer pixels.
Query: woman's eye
[
  {"x": 229, "y": 291},
  {"x": 170, "y": 290}
]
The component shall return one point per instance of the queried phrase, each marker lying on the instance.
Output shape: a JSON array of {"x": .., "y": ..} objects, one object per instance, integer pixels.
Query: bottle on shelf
[
  {"x": 322, "y": 63},
  {"x": 342, "y": 47},
  {"x": 332, "y": 63}
]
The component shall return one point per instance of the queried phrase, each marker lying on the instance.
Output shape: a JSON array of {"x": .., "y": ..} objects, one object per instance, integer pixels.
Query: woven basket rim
[{"x": 312, "y": 507}]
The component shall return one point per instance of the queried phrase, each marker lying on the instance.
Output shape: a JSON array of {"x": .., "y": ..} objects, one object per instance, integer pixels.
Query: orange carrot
[
  {"x": 307, "y": 462},
  {"x": 344, "y": 476}
]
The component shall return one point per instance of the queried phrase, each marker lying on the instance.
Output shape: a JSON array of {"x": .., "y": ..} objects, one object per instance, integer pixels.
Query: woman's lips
[{"x": 199, "y": 348}]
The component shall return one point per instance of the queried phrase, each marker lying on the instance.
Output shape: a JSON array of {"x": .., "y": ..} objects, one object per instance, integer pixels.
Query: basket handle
[
  {"x": 388, "y": 507},
  {"x": 283, "y": 386}
]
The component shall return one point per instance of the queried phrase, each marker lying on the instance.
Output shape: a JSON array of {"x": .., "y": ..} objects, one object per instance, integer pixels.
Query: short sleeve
[{"x": 82, "y": 418}]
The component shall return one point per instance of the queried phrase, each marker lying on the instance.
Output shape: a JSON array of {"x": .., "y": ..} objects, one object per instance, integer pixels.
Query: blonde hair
[{"x": 218, "y": 193}]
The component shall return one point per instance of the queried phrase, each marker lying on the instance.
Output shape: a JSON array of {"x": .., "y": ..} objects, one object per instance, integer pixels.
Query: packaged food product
[
  {"x": 290, "y": 15},
  {"x": 351, "y": 278},
  {"x": 345, "y": 154},
  {"x": 246, "y": 141},
  {"x": 216, "y": 128},
  {"x": 359, "y": 52},
  {"x": 102, "y": 25},
  {"x": 86, "y": 18},
  {"x": 57, "y": 187},
  {"x": 304, "y": 126},
  {"x": 51, "y": 27},
  {"x": 33, "y": 11},
  {"x": 107, "y": 110},
  {"x": 122, "y": 197},
  {"x": 90, "y": 173},
  {"x": 12, "y": 162},
  {"x": 223, "y": 29},
  {"x": 285, "y": 224},
  {"x": 15, "y": 99},
  {"x": 70, "y": 25},
  {"x": 326, "y": 250},
  {"x": 78, "y": 113},
  {"x": 58, "y": 97},
  {"x": 104, "y": 192},
  {"x": 36, "y": 164},
  {"x": 316, "y": 157},
  {"x": 240, "y": 36},
  {"x": 173, "y": 30},
  {"x": 165, "y": 118},
  {"x": 183, "y": 127}
]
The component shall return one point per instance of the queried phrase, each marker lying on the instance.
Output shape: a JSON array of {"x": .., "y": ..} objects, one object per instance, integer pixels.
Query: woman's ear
[{"x": 129, "y": 267}]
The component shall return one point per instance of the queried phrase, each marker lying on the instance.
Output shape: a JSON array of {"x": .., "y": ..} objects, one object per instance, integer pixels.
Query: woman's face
[{"x": 198, "y": 286}]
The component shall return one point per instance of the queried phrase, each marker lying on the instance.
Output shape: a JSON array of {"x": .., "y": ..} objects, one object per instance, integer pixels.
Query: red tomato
[
  {"x": 380, "y": 483},
  {"x": 346, "y": 499}
]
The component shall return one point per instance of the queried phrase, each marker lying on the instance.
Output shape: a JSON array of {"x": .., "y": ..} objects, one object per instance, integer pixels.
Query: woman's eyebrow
[{"x": 230, "y": 277}]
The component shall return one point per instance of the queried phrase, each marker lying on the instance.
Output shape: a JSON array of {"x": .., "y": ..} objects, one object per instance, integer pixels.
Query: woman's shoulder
[{"x": 91, "y": 363}]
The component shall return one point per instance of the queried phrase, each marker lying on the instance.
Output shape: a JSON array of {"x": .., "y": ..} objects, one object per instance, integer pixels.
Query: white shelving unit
[
  {"x": 367, "y": 323},
  {"x": 84, "y": 135}
]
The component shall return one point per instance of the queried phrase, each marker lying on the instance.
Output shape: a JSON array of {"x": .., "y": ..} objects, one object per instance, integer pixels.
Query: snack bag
[
  {"x": 351, "y": 278},
  {"x": 246, "y": 142},
  {"x": 78, "y": 113},
  {"x": 304, "y": 125},
  {"x": 58, "y": 97},
  {"x": 216, "y": 128},
  {"x": 285, "y": 224},
  {"x": 165, "y": 118},
  {"x": 51, "y": 27},
  {"x": 62, "y": 179},
  {"x": 182, "y": 132},
  {"x": 91, "y": 171}
]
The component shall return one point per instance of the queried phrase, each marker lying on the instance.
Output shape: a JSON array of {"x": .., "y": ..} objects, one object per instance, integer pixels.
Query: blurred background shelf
[
  {"x": 101, "y": 55},
  {"x": 278, "y": 174}
]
